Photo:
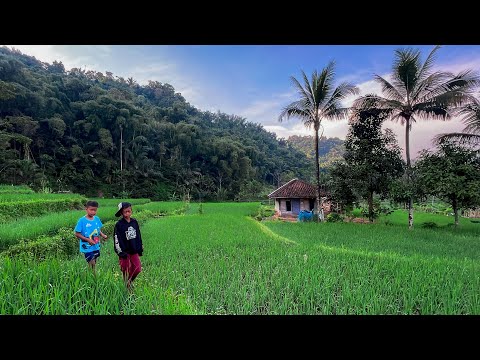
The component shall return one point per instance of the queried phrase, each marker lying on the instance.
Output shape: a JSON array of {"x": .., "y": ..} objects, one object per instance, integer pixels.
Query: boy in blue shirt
[{"x": 88, "y": 230}]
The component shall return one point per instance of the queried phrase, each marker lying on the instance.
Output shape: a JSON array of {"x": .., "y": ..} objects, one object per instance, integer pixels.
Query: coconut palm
[
  {"x": 318, "y": 100},
  {"x": 415, "y": 91},
  {"x": 471, "y": 133}
]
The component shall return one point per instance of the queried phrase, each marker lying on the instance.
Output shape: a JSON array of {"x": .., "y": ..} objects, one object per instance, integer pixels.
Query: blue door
[{"x": 295, "y": 206}]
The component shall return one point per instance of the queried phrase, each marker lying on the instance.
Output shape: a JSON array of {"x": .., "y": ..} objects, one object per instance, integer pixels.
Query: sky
[{"x": 254, "y": 81}]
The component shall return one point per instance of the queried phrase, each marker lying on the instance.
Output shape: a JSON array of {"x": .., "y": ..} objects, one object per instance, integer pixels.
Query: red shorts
[{"x": 130, "y": 266}]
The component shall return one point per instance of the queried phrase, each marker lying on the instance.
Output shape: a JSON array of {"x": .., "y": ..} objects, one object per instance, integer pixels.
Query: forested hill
[
  {"x": 95, "y": 133},
  {"x": 329, "y": 149}
]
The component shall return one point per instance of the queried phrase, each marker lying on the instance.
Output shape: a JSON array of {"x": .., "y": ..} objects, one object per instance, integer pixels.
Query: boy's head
[
  {"x": 122, "y": 206},
  {"x": 91, "y": 207}
]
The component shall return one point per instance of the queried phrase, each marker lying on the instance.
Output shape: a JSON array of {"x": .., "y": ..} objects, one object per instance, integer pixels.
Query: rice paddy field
[{"x": 219, "y": 260}]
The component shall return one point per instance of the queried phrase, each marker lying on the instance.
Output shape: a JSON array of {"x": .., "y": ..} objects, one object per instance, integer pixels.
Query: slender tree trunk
[
  {"x": 370, "y": 206},
  {"x": 121, "y": 144},
  {"x": 317, "y": 165},
  {"x": 409, "y": 172},
  {"x": 455, "y": 211}
]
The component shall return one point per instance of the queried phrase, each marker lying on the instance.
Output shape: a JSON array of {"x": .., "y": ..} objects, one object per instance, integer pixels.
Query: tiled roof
[{"x": 296, "y": 188}]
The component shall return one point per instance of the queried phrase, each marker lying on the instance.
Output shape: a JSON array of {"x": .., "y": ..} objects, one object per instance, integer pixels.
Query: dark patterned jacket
[{"x": 127, "y": 238}]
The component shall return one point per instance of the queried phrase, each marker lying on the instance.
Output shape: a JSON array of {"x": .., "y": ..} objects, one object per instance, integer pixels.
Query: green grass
[
  {"x": 161, "y": 207},
  {"x": 114, "y": 202},
  {"x": 400, "y": 217},
  {"x": 4, "y": 198},
  {"x": 18, "y": 189},
  {"x": 223, "y": 262},
  {"x": 378, "y": 238}
]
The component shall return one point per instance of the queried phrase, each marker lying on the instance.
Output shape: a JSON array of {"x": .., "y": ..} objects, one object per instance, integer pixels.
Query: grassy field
[
  {"x": 400, "y": 217},
  {"x": 224, "y": 262}
]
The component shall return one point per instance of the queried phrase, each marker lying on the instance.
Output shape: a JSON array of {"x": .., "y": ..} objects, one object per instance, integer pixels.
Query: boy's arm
[
  {"x": 101, "y": 226},
  {"x": 119, "y": 242},
  {"x": 80, "y": 236}
]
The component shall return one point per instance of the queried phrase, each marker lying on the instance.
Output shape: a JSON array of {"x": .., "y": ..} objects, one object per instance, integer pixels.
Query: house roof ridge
[{"x": 282, "y": 186}]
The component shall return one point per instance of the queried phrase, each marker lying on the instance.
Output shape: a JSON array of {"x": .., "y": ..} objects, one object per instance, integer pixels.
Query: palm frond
[
  {"x": 427, "y": 65},
  {"x": 471, "y": 116},
  {"x": 430, "y": 87},
  {"x": 308, "y": 87},
  {"x": 297, "y": 108},
  {"x": 398, "y": 117},
  {"x": 323, "y": 84},
  {"x": 405, "y": 70},
  {"x": 432, "y": 110},
  {"x": 341, "y": 92},
  {"x": 466, "y": 80},
  {"x": 304, "y": 92},
  {"x": 388, "y": 89},
  {"x": 460, "y": 138}
]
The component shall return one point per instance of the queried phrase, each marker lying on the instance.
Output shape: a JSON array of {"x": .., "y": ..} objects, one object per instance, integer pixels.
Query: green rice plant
[
  {"x": 26, "y": 197},
  {"x": 17, "y": 189},
  {"x": 103, "y": 202},
  {"x": 15, "y": 210},
  {"x": 163, "y": 207}
]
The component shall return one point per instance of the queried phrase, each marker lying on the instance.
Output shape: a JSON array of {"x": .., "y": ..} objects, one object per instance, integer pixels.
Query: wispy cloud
[{"x": 261, "y": 109}]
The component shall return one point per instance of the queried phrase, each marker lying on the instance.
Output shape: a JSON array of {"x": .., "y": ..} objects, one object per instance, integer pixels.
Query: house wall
[
  {"x": 281, "y": 206},
  {"x": 472, "y": 213},
  {"x": 305, "y": 204}
]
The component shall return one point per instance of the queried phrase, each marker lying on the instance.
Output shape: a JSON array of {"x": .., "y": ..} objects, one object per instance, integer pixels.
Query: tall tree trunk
[
  {"x": 370, "y": 206},
  {"x": 317, "y": 165},
  {"x": 121, "y": 149},
  {"x": 409, "y": 172},
  {"x": 455, "y": 211}
]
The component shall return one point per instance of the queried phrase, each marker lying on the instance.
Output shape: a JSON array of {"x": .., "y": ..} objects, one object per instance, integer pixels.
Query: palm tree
[
  {"x": 318, "y": 100},
  {"x": 415, "y": 91},
  {"x": 471, "y": 133}
]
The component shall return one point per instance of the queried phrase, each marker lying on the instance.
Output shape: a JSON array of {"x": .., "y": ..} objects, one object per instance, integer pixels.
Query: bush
[
  {"x": 430, "y": 225},
  {"x": 334, "y": 217},
  {"x": 263, "y": 211},
  {"x": 357, "y": 212}
]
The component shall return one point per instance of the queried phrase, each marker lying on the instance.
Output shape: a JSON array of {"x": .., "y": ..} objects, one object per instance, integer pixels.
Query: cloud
[{"x": 259, "y": 108}]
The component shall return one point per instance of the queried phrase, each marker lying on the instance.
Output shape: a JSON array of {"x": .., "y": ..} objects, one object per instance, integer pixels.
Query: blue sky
[{"x": 253, "y": 81}]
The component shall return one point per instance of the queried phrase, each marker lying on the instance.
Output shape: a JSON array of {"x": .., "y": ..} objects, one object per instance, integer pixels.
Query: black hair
[{"x": 91, "y": 203}]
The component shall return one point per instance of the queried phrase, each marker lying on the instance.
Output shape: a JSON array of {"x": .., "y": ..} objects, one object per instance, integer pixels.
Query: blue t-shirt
[{"x": 90, "y": 229}]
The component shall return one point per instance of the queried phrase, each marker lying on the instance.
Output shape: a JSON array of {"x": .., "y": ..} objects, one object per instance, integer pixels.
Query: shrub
[
  {"x": 334, "y": 217},
  {"x": 430, "y": 225},
  {"x": 263, "y": 211}
]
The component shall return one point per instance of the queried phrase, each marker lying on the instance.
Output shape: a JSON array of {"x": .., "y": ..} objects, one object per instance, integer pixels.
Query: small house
[{"x": 297, "y": 195}]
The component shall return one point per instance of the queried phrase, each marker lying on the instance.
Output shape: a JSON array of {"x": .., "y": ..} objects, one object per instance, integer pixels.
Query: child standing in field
[
  {"x": 88, "y": 231},
  {"x": 128, "y": 243}
]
